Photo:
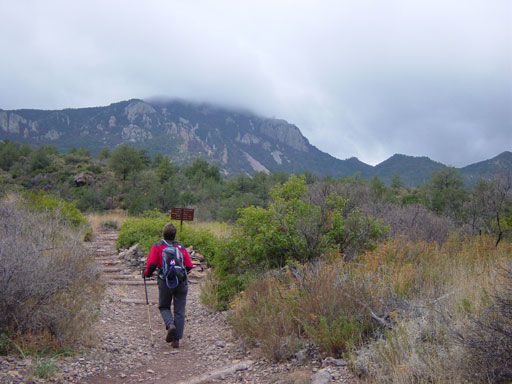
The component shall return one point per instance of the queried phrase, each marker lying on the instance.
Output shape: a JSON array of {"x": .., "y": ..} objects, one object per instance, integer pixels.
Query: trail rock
[{"x": 321, "y": 377}]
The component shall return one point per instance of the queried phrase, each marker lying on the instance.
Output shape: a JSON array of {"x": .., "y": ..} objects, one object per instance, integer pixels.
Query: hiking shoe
[
  {"x": 171, "y": 333},
  {"x": 176, "y": 343}
]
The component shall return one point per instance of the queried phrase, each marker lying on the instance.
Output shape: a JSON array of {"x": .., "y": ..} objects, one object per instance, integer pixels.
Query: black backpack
[{"x": 173, "y": 270}]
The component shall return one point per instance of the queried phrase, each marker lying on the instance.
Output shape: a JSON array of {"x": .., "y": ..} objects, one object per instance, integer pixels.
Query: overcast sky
[{"x": 359, "y": 78}]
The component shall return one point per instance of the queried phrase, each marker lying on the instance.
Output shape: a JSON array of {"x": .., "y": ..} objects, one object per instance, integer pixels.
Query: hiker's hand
[{"x": 143, "y": 274}]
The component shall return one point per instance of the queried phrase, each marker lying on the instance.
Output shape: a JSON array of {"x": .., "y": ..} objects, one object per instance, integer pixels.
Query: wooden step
[
  {"x": 125, "y": 277},
  {"x": 136, "y": 301},
  {"x": 128, "y": 282},
  {"x": 110, "y": 262}
]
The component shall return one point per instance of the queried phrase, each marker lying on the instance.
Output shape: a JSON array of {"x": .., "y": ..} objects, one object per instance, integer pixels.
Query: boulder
[
  {"x": 134, "y": 256},
  {"x": 80, "y": 179}
]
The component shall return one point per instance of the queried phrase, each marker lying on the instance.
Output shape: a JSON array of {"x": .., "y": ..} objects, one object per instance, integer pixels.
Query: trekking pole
[{"x": 149, "y": 316}]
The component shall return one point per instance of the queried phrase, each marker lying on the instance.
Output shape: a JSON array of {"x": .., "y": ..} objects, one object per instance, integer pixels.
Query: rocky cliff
[{"x": 237, "y": 141}]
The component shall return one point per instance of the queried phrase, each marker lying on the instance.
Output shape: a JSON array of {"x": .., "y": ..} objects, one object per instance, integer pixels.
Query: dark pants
[{"x": 177, "y": 297}]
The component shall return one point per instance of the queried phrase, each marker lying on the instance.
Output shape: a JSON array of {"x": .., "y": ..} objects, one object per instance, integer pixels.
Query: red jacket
[{"x": 155, "y": 257}]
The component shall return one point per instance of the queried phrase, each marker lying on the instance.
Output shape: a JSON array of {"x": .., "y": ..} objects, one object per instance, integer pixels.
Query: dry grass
[
  {"x": 221, "y": 230},
  {"x": 444, "y": 288},
  {"x": 395, "y": 313},
  {"x": 208, "y": 294},
  {"x": 98, "y": 219},
  {"x": 295, "y": 377},
  {"x": 49, "y": 284},
  {"x": 263, "y": 316}
]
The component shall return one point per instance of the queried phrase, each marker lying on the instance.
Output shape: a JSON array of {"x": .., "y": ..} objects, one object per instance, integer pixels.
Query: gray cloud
[{"x": 360, "y": 78}]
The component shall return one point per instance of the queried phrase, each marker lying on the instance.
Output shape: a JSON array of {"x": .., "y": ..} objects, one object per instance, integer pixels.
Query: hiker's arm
[
  {"x": 153, "y": 261},
  {"x": 186, "y": 260}
]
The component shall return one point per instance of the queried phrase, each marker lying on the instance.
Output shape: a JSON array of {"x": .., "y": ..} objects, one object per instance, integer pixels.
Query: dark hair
[{"x": 169, "y": 231}]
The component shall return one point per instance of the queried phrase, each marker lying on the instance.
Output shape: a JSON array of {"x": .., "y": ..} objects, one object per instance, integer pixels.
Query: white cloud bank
[{"x": 360, "y": 78}]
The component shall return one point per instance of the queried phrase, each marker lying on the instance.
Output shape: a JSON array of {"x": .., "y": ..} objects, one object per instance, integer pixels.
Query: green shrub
[
  {"x": 142, "y": 231},
  {"x": 292, "y": 229},
  {"x": 44, "y": 369},
  {"x": 335, "y": 336},
  {"x": 94, "y": 168},
  {"x": 43, "y": 202},
  {"x": 264, "y": 316},
  {"x": 110, "y": 224},
  {"x": 147, "y": 230}
]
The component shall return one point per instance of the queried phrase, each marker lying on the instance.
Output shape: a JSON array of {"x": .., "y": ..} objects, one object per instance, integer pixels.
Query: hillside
[
  {"x": 237, "y": 141},
  {"x": 412, "y": 170},
  {"x": 486, "y": 168}
]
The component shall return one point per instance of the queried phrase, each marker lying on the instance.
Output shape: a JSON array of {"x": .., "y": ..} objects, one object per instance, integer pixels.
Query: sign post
[{"x": 181, "y": 214}]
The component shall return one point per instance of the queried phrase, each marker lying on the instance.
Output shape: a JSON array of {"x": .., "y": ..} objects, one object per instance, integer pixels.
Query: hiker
[{"x": 172, "y": 285}]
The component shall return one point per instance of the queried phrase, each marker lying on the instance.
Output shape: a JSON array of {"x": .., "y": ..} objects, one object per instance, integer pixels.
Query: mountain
[
  {"x": 412, "y": 170},
  {"x": 235, "y": 140},
  {"x": 487, "y": 168}
]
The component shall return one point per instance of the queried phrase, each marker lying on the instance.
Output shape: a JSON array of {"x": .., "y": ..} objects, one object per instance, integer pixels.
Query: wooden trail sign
[{"x": 181, "y": 214}]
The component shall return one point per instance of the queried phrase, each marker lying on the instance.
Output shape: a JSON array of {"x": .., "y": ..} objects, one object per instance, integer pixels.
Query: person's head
[{"x": 169, "y": 231}]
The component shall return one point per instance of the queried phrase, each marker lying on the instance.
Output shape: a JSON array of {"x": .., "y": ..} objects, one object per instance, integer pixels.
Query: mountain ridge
[{"x": 236, "y": 140}]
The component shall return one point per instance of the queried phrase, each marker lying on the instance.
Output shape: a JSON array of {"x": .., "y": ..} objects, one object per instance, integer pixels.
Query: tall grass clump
[
  {"x": 402, "y": 313},
  {"x": 110, "y": 219},
  {"x": 453, "y": 301},
  {"x": 319, "y": 303},
  {"x": 49, "y": 285}
]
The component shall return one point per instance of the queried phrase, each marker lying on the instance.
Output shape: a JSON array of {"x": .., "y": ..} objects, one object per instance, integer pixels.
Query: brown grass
[
  {"x": 98, "y": 218},
  {"x": 49, "y": 283},
  {"x": 427, "y": 294},
  {"x": 208, "y": 294}
]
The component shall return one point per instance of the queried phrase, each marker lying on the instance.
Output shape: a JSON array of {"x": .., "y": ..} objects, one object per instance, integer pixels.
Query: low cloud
[{"x": 359, "y": 78}]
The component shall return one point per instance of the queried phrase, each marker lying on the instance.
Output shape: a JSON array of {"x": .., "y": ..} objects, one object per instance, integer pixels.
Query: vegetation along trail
[{"x": 208, "y": 353}]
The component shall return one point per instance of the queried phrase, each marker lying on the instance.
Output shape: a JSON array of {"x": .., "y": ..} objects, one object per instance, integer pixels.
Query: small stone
[
  {"x": 150, "y": 371},
  {"x": 333, "y": 361},
  {"x": 322, "y": 377}
]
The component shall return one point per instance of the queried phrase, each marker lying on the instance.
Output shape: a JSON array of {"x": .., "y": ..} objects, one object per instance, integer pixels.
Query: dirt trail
[
  {"x": 123, "y": 353},
  {"x": 124, "y": 332}
]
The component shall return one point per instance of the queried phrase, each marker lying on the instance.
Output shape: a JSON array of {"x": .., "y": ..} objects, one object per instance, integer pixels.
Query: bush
[
  {"x": 488, "y": 338},
  {"x": 49, "y": 204},
  {"x": 44, "y": 369},
  {"x": 446, "y": 327},
  {"x": 320, "y": 303},
  {"x": 336, "y": 336},
  {"x": 142, "y": 231},
  {"x": 263, "y": 317},
  {"x": 413, "y": 222},
  {"x": 147, "y": 230},
  {"x": 48, "y": 282},
  {"x": 299, "y": 225},
  {"x": 110, "y": 224}
]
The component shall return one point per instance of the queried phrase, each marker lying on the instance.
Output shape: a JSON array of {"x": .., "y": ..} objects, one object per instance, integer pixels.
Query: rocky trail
[{"x": 208, "y": 352}]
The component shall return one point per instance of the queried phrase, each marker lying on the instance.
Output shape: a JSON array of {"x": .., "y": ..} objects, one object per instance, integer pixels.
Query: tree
[
  {"x": 378, "y": 188},
  {"x": 165, "y": 170},
  {"x": 40, "y": 158},
  {"x": 157, "y": 159},
  {"x": 199, "y": 171},
  {"x": 10, "y": 152},
  {"x": 499, "y": 196},
  {"x": 81, "y": 151},
  {"x": 125, "y": 159},
  {"x": 104, "y": 153},
  {"x": 446, "y": 193},
  {"x": 396, "y": 182}
]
